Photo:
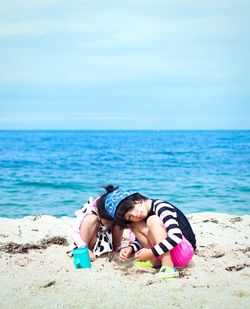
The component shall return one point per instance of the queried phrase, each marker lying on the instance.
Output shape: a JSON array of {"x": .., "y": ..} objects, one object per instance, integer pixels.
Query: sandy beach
[{"x": 36, "y": 271}]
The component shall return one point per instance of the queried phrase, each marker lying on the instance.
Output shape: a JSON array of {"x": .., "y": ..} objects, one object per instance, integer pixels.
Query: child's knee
[
  {"x": 91, "y": 220},
  {"x": 153, "y": 221}
]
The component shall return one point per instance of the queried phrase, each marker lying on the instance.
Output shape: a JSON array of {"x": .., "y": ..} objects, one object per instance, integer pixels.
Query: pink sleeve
[{"x": 94, "y": 203}]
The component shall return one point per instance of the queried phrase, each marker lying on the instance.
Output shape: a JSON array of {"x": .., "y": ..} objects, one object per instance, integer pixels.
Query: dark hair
[
  {"x": 101, "y": 203},
  {"x": 125, "y": 205}
]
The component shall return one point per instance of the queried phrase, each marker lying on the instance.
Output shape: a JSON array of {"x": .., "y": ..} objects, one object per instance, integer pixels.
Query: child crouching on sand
[
  {"x": 99, "y": 234},
  {"x": 164, "y": 236}
]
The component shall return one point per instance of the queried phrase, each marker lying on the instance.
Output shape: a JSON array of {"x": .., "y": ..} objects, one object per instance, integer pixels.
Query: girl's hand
[
  {"x": 125, "y": 253},
  {"x": 144, "y": 255},
  {"x": 92, "y": 256}
]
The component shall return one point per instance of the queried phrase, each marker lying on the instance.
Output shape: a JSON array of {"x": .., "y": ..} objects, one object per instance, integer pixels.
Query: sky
[{"x": 128, "y": 65}]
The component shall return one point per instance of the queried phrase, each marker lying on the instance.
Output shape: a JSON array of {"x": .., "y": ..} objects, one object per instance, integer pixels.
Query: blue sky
[{"x": 124, "y": 64}]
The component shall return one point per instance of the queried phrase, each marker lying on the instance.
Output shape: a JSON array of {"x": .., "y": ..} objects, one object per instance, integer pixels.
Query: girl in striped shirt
[{"x": 164, "y": 235}]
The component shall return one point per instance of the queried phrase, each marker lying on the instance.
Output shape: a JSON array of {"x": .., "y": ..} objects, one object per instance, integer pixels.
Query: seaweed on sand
[{"x": 12, "y": 247}]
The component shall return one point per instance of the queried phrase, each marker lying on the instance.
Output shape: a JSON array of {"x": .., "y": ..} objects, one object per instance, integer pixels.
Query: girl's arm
[
  {"x": 136, "y": 245},
  {"x": 117, "y": 233},
  {"x": 168, "y": 215}
]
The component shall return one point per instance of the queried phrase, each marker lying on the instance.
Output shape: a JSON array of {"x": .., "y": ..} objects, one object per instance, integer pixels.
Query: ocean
[{"x": 54, "y": 172}]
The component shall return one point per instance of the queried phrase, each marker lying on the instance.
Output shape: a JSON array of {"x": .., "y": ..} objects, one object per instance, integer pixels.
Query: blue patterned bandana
[{"x": 113, "y": 199}]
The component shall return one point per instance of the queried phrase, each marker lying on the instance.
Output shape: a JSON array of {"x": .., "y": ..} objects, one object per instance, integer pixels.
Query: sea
[{"x": 55, "y": 172}]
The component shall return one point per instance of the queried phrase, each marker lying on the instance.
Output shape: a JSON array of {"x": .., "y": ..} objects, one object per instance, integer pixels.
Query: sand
[{"x": 42, "y": 275}]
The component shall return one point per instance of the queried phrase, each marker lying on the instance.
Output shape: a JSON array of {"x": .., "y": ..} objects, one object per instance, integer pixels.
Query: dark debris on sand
[
  {"x": 53, "y": 282},
  {"x": 12, "y": 247},
  {"x": 237, "y": 267},
  {"x": 56, "y": 240}
]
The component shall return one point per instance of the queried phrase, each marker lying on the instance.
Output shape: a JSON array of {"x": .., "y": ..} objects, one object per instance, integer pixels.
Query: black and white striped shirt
[{"x": 171, "y": 218}]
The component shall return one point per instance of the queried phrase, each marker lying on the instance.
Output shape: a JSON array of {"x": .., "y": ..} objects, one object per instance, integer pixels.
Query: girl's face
[{"x": 137, "y": 213}]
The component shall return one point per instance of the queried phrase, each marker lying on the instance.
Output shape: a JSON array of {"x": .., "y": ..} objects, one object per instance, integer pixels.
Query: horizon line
[{"x": 156, "y": 130}]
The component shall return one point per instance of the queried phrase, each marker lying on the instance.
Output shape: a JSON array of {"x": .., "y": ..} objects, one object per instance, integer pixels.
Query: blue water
[{"x": 53, "y": 172}]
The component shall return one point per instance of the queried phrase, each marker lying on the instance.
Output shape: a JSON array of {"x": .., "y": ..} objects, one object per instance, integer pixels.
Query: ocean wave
[{"x": 51, "y": 185}]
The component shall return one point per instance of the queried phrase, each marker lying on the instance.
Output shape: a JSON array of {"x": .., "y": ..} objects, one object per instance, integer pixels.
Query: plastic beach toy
[
  {"x": 81, "y": 257},
  {"x": 142, "y": 264}
]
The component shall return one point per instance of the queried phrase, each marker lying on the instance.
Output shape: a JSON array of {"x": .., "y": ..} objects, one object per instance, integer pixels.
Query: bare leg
[
  {"x": 158, "y": 233},
  {"x": 88, "y": 232},
  {"x": 141, "y": 232}
]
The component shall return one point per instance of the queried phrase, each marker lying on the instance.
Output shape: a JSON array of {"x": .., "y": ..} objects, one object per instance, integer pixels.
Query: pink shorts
[{"x": 182, "y": 254}]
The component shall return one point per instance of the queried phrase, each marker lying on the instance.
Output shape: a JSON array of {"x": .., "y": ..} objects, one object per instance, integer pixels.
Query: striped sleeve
[
  {"x": 168, "y": 215},
  {"x": 136, "y": 245}
]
